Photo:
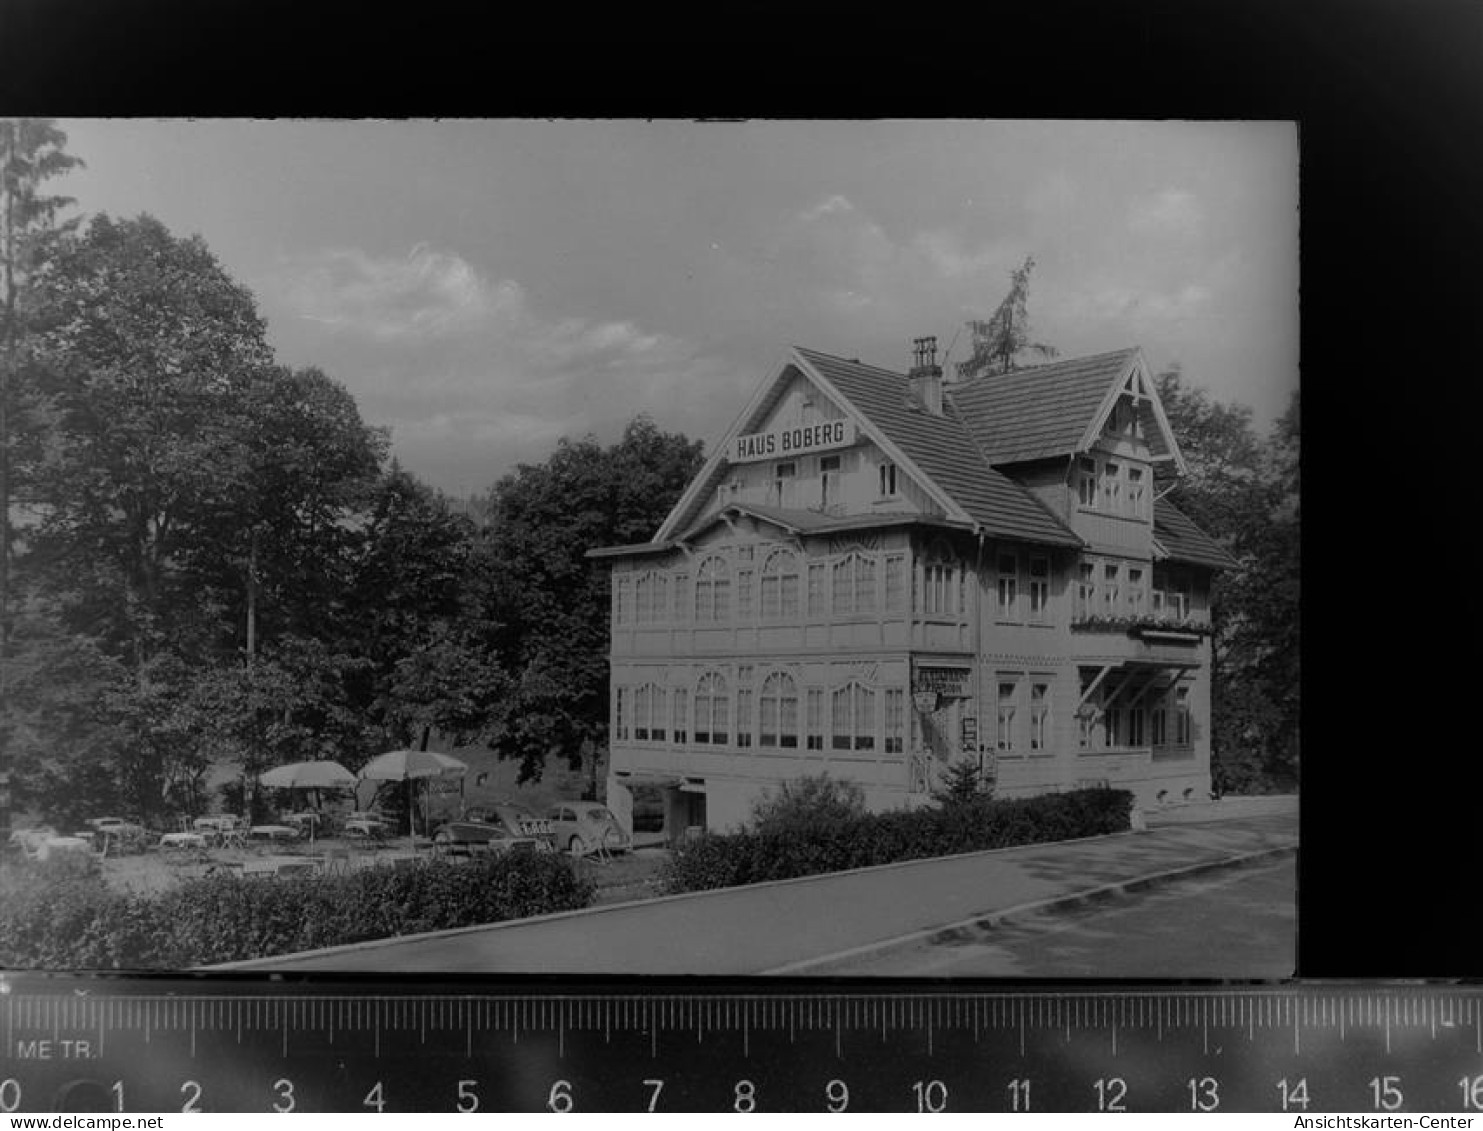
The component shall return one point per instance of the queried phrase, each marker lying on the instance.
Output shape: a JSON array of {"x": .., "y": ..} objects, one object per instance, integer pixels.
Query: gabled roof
[
  {"x": 943, "y": 449},
  {"x": 1053, "y": 410},
  {"x": 1177, "y": 538}
]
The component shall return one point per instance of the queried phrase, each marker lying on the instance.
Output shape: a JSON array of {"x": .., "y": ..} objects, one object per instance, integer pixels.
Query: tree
[
  {"x": 32, "y": 151},
  {"x": 546, "y": 605},
  {"x": 999, "y": 341},
  {"x": 962, "y": 785},
  {"x": 1245, "y": 492}
]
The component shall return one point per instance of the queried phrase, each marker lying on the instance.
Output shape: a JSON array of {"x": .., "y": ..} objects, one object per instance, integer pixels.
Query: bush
[
  {"x": 60, "y": 914},
  {"x": 835, "y": 841},
  {"x": 806, "y": 802}
]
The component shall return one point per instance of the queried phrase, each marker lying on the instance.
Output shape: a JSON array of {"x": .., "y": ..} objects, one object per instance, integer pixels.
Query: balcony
[{"x": 1145, "y": 627}]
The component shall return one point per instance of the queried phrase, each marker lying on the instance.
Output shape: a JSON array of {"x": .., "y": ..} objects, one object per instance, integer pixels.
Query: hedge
[
  {"x": 834, "y": 843},
  {"x": 61, "y": 913}
]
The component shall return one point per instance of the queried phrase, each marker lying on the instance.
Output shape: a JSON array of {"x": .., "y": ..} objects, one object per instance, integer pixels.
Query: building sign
[
  {"x": 780, "y": 443},
  {"x": 952, "y": 682}
]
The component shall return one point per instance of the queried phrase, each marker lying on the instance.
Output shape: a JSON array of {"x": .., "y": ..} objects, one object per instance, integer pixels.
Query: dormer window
[
  {"x": 1136, "y": 493},
  {"x": 1112, "y": 481},
  {"x": 1086, "y": 482}
]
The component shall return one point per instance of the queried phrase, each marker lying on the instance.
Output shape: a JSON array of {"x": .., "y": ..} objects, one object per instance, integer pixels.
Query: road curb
[{"x": 987, "y": 921}]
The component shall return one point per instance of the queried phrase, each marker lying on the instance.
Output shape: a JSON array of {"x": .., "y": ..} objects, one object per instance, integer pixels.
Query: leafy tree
[
  {"x": 1245, "y": 491},
  {"x": 998, "y": 342},
  {"x": 32, "y": 151},
  {"x": 806, "y": 802},
  {"x": 546, "y": 605}
]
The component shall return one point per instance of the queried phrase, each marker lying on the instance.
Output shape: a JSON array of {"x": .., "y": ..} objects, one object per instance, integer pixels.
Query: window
[
  {"x": 854, "y": 585},
  {"x": 887, "y": 472},
  {"x": 745, "y": 720},
  {"x": 854, "y": 717},
  {"x": 1182, "y": 728},
  {"x": 1039, "y": 587},
  {"x": 1008, "y": 587},
  {"x": 711, "y": 710},
  {"x": 1004, "y": 718},
  {"x": 1179, "y": 586},
  {"x": 817, "y": 584},
  {"x": 622, "y": 600},
  {"x": 1039, "y": 716},
  {"x": 1086, "y": 590},
  {"x": 643, "y": 599},
  {"x": 680, "y": 593},
  {"x": 780, "y": 586},
  {"x": 828, "y": 481},
  {"x": 1111, "y": 487},
  {"x": 712, "y": 592},
  {"x": 1135, "y": 726},
  {"x": 1086, "y": 482},
  {"x": 895, "y": 583},
  {"x": 1159, "y": 722},
  {"x": 679, "y": 707},
  {"x": 779, "y": 715},
  {"x": 940, "y": 584},
  {"x": 1110, "y": 593},
  {"x": 815, "y": 732},
  {"x": 744, "y": 596},
  {"x": 620, "y": 714},
  {"x": 895, "y": 721},
  {"x": 649, "y": 709},
  {"x": 778, "y": 488},
  {"x": 1112, "y": 726},
  {"x": 1136, "y": 497},
  {"x": 1135, "y": 591}
]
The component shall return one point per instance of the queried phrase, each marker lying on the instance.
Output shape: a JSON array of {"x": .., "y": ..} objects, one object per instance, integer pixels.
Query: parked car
[
  {"x": 584, "y": 826},
  {"x": 467, "y": 835},
  {"x": 514, "y": 818}
]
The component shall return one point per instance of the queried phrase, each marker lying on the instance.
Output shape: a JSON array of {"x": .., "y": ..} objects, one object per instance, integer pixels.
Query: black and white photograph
[{"x": 816, "y": 548}]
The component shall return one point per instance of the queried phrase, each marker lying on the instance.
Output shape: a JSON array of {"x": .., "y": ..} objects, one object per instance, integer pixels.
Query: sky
[{"x": 484, "y": 288}]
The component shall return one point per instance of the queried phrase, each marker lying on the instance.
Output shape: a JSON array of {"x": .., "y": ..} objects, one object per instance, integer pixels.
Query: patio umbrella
[
  {"x": 315, "y": 775},
  {"x": 410, "y": 765}
]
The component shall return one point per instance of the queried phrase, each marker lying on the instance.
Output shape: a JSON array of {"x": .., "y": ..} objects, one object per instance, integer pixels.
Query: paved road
[
  {"x": 1246, "y": 915},
  {"x": 784, "y": 927}
]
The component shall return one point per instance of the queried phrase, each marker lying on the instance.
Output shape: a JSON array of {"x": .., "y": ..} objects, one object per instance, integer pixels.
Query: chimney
[{"x": 925, "y": 377}]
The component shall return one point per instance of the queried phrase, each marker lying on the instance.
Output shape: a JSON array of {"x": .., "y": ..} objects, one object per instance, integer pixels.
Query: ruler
[{"x": 77, "y": 1043}]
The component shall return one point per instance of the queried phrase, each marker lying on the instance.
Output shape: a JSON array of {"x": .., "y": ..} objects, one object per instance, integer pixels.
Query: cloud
[
  {"x": 425, "y": 294},
  {"x": 1170, "y": 211}
]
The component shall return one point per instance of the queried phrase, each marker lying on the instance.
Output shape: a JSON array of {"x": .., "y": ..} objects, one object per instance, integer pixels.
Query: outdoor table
[
  {"x": 214, "y": 824},
  {"x": 183, "y": 840},
  {"x": 273, "y": 832}
]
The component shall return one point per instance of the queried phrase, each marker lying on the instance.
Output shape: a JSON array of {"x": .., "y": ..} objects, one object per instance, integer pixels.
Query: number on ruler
[
  {"x": 837, "y": 1092},
  {"x": 559, "y": 1099},
  {"x": 10, "y": 1094},
  {"x": 1204, "y": 1093},
  {"x": 192, "y": 1092},
  {"x": 285, "y": 1089},
  {"x": 375, "y": 1098},
  {"x": 1019, "y": 1095},
  {"x": 1294, "y": 1096},
  {"x": 1472, "y": 1092},
  {"x": 118, "y": 1095},
  {"x": 1111, "y": 1093},
  {"x": 931, "y": 1095},
  {"x": 746, "y": 1096},
  {"x": 1386, "y": 1092},
  {"x": 658, "y": 1086}
]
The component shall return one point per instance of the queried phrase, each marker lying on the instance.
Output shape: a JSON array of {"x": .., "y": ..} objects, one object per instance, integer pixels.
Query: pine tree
[{"x": 1000, "y": 340}]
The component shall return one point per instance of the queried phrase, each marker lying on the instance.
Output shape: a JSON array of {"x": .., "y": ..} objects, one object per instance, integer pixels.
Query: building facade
[{"x": 879, "y": 574}]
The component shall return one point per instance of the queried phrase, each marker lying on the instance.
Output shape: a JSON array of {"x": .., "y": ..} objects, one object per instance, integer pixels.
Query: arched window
[
  {"x": 780, "y": 585},
  {"x": 854, "y": 717},
  {"x": 649, "y": 713},
  {"x": 779, "y": 712},
  {"x": 712, "y": 710},
  {"x": 713, "y": 591},
  {"x": 854, "y": 584}
]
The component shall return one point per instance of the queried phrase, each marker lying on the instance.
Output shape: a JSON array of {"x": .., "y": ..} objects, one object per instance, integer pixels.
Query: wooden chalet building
[{"x": 878, "y": 574}]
